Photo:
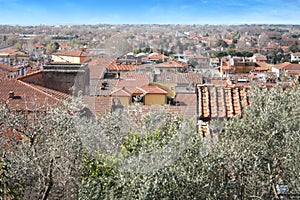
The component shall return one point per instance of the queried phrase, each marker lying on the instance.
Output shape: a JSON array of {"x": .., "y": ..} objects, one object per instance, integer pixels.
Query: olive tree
[
  {"x": 41, "y": 154},
  {"x": 259, "y": 152},
  {"x": 255, "y": 158},
  {"x": 132, "y": 154},
  {"x": 151, "y": 154}
]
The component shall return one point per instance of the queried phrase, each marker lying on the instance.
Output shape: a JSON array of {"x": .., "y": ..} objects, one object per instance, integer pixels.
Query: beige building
[
  {"x": 146, "y": 95},
  {"x": 69, "y": 56}
]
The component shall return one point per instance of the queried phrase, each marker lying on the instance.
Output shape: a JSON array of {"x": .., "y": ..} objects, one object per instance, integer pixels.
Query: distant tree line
[{"x": 230, "y": 52}]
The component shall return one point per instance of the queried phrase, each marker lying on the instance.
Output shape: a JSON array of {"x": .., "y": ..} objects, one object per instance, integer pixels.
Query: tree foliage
[
  {"x": 41, "y": 154},
  {"x": 277, "y": 55},
  {"x": 18, "y": 46},
  {"x": 220, "y": 54},
  {"x": 129, "y": 154},
  {"x": 294, "y": 48},
  {"x": 222, "y": 43},
  {"x": 263, "y": 147},
  {"x": 256, "y": 155},
  {"x": 52, "y": 47}
]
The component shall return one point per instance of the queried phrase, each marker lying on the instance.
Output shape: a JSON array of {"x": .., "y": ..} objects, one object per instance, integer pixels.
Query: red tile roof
[
  {"x": 135, "y": 76},
  {"x": 26, "y": 96},
  {"x": 157, "y": 57},
  {"x": 153, "y": 108},
  {"x": 149, "y": 90},
  {"x": 262, "y": 66},
  {"x": 8, "y": 68},
  {"x": 102, "y": 87},
  {"x": 33, "y": 78},
  {"x": 122, "y": 92},
  {"x": 282, "y": 65},
  {"x": 188, "y": 105},
  {"x": 98, "y": 104},
  {"x": 121, "y": 67},
  {"x": 98, "y": 66},
  {"x": 71, "y": 53},
  {"x": 221, "y": 101},
  {"x": 170, "y": 64},
  {"x": 261, "y": 69},
  {"x": 288, "y": 66},
  {"x": 145, "y": 89},
  {"x": 30, "y": 70},
  {"x": 180, "y": 78},
  {"x": 132, "y": 81},
  {"x": 8, "y": 51},
  {"x": 292, "y": 67},
  {"x": 53, "y": 93},
  {"x": 101, "y": 61}
]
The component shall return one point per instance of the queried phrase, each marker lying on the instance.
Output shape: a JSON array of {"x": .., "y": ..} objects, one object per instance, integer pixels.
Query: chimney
[{"x": 11, "y": 94}]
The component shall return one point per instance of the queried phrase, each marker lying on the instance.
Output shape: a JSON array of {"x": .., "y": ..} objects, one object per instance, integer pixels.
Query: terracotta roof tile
[
  {"x": 121, "y": 67},
  {"x": 132, "y": 82},
  {"x": 73, "y": 53},
  {"x": 53, "y": 93},
  {"x": 149, "y": 90},
  {"x": 98, "y": 104},
  {"x": 188, "y": 105},
  {"x": 8, "y": 68},
  {"x": 288, "y": 66},
  {"x": 221, "y": 101},
  {"x": 30, "y": 70},
  {"x": 135, "y": 75},
  {"x": 8, "y": 51},
  {"x": 122, "y": 92},
  {"x": 26, "y": 97},
  {"x": 98, "y": 66},
  {"x": 157, "y": 57},
  {"x": 282, "y": 65},
  {"x": 170, "y": 64},
  {"x": 292, "y": 67},
  {"x": 180, "y": 78},
  {"x": 261, "y": 66},
  {"x": 102, "y": 87}
]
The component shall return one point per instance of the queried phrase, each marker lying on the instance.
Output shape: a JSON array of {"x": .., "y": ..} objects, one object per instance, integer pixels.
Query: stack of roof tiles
[{"x": 221, "y": 101}]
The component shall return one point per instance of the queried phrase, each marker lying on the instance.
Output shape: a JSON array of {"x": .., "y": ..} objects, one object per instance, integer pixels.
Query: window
[{"x": 138, "y": 99}]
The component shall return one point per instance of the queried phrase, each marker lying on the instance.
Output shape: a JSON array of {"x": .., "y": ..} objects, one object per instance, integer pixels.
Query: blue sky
[{"x": 64, "y": 12}]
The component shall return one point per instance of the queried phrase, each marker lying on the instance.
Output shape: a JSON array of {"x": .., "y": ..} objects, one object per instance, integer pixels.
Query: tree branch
[{"x": 50, "y": 181}]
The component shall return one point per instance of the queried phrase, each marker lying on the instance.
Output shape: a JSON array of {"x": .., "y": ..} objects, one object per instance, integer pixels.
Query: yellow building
[
  {"x": 69, "y": 56},
  {"x": 123, "y": 95},
  {"x": 146, "y": 95}
]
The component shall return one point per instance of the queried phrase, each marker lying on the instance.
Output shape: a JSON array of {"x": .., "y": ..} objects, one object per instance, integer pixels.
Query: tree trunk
[{"x": 49, "y": 182}]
